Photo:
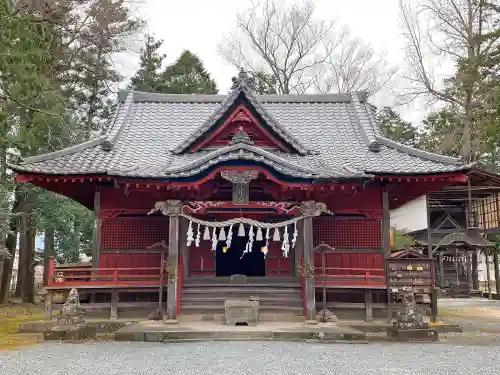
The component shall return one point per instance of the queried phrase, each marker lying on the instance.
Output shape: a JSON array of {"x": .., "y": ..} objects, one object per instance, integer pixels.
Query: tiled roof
[{"x": 332, "y": 136}]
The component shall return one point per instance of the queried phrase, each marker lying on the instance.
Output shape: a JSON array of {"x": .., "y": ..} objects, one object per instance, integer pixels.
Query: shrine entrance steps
[{"x": 280, "y": 298}]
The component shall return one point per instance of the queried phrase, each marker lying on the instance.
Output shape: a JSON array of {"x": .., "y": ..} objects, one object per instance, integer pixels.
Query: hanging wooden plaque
[{"x": 241, "y": 194}]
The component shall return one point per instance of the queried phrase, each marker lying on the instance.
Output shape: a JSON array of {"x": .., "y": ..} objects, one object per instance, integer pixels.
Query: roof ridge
[
  {"x": 365, "y": 124},
  {"x": 143, "y": 96},
  {"x": 65, "y": 151},
  {"x": 236, "y": 147},
  {"x": 112, "y": 134},
  {"x": 419, "y": 153}
]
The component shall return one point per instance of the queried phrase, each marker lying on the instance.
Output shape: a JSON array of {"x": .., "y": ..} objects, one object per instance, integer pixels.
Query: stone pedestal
[
  {"x": 241, "y": 312},
  {"x": 74, "y": 332}
]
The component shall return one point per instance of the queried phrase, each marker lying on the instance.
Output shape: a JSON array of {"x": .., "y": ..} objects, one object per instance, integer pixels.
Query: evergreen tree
[
  {"x": 392, "y": 126},
  {"x": 108, "y": 25},
  {"x": 35, "y": 107},
  {"x": 188, "y": 76},
  {"x": 149, "y": 77},
  {"x": 56, "y": 78},
  {"x": 441, "y": 132}
]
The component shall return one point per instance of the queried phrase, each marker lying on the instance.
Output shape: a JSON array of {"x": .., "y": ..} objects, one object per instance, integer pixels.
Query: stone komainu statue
[{"x": 71, "y": 312}]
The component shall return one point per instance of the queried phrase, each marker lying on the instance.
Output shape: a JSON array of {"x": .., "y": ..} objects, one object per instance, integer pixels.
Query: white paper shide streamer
[
  {"x": 214, "y": 240},
  {"x": 249, "y": 244},
  {"x": 190, "y": 235},
  {"x": 198, "y": 235},
  {"x": 286, "y": 245},
  {"x": 295, "y": 235},
  {"x": 229, "y": 238},
  {"x": 265, "y": 248},
  {"x": 255, "y": 232}
]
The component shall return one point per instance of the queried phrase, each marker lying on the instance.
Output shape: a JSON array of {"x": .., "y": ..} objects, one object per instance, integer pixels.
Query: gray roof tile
[{"x": 335, "y": 136}]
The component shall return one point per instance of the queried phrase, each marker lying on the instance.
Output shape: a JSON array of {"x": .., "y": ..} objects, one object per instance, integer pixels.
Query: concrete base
[
  {"x": 75, "y": 332},
  {"x": 412, "y": 335},
  {"x": 208, "y": 331}
]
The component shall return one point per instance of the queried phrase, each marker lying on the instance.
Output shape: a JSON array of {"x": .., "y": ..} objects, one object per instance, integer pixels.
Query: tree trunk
[
  {"x": 11, "y": 245},
  {"x": 3, "y": 163},
  {"x": 25, "y": 274},
  {"x": 3, "y": 197},
  {"x": 23, "y": 255},
  {"x": 29, "y": 282}
]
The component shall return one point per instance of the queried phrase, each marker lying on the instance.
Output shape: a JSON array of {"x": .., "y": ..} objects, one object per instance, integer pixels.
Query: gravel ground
[{"x": 268, "y": 358}]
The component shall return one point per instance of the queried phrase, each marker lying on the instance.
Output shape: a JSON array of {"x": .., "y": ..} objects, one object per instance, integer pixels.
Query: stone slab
[
  {"x": 144, "y": 331},
  {"x": 412, "y": 335}
]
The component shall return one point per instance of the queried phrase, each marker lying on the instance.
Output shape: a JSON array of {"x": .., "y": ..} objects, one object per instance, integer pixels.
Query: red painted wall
[
  {"x": 276, "y": 263},
  {"x": 202, "y": 260}
]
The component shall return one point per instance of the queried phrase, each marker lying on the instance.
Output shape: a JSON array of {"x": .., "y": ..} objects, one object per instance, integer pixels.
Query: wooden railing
[
  {"x": 356, "y": 277},
  {"x": 99, "y": 277}
]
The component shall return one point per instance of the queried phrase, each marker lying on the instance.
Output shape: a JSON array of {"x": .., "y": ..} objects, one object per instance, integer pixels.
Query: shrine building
[{"x": 201, "y": 197}]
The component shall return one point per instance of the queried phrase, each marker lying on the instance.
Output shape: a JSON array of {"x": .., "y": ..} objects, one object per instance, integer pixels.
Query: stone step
[
  {"x": 263, "y": 317},
  {"x": 207, "y": 308},
  {"x": 293, "y": 285},
  {"x": 141, "y": 332},
  {"x": 220, "y": 299},
  {"x": 250, "y": 279},
  {"x": 244, "y": 290},
  {"x": 198, "y": 306}
]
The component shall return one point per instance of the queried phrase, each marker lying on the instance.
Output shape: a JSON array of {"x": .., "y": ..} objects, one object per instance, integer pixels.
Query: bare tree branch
[
  {"x": 354, "y": 66},
  {"x": 288, "y": 43}
]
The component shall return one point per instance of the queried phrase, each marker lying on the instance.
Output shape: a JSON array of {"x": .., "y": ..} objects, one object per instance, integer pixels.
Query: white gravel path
[{"x": 241, "y": 358}]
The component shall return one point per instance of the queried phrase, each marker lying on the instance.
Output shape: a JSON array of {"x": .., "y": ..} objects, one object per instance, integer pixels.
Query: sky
[{"x": 199, "y": 25}]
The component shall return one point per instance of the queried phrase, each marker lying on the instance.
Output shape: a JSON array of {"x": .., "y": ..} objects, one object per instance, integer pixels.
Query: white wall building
[{"x": 411, "y": 216}]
